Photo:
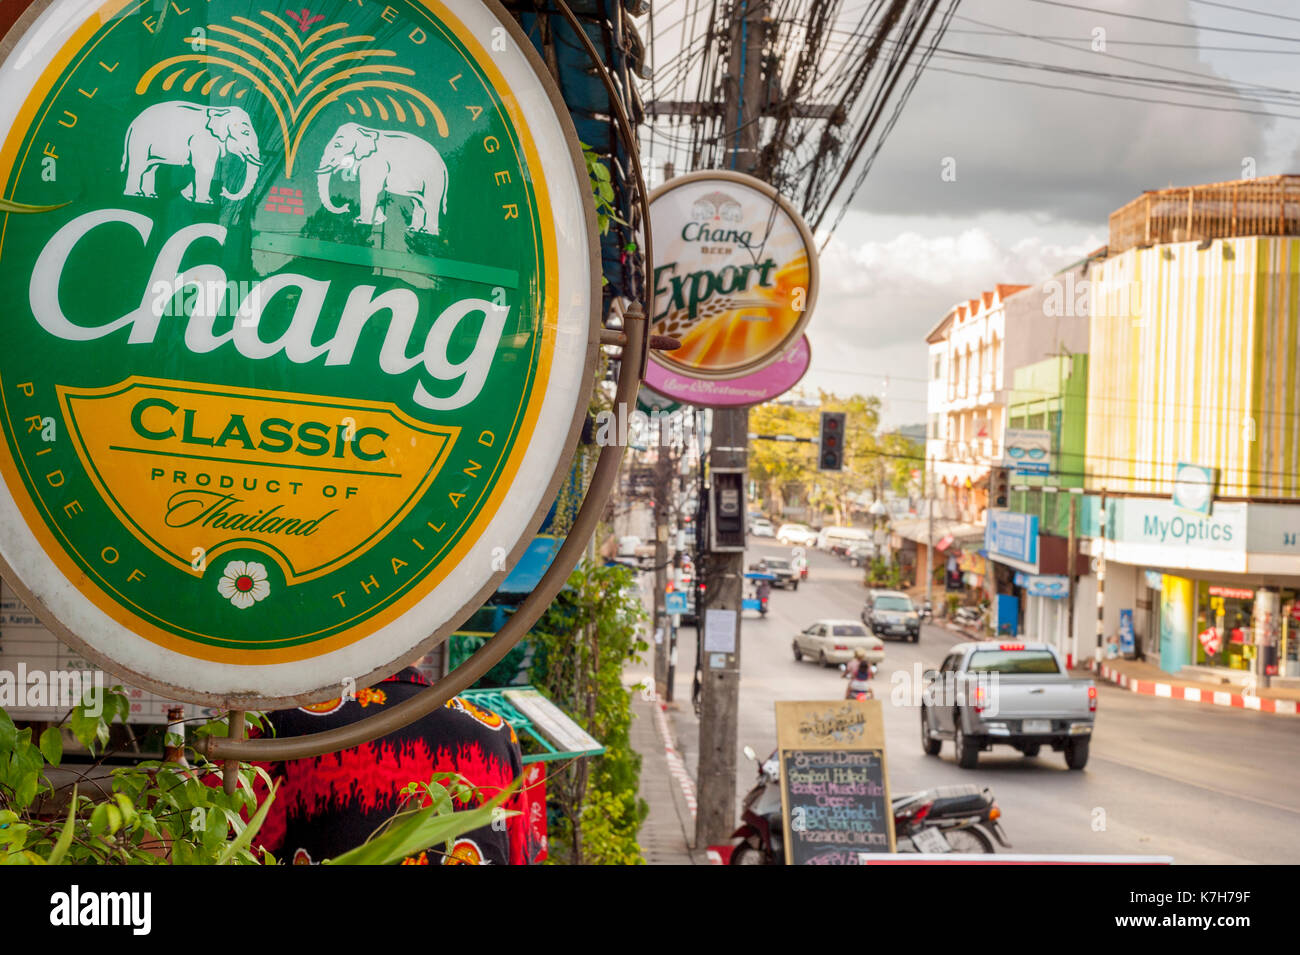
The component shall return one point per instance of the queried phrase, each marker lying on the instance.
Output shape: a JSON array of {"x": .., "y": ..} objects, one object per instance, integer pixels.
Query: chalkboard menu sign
[{"x": 834, "y": 785}]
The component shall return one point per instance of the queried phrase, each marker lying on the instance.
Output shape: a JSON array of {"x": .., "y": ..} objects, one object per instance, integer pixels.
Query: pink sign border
[{"x": 765, "y": 384}]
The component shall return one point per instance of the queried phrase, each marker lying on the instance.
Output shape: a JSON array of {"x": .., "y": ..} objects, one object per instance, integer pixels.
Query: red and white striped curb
[
  {"x": 1193, "y": 694},
  {"x": 676, "y": 768}
]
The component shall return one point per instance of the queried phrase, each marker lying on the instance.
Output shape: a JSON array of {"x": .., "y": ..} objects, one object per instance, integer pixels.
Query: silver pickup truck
[{"x": 1016, "y": 694}]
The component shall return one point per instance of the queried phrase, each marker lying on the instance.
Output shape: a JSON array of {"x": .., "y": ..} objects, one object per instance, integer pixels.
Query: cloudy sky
[{"x": 1037, "y": 169}]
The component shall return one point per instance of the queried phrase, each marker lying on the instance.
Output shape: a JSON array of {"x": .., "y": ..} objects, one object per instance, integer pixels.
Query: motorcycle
[
  {"x": 761, "y": 830},
  {"x": 945, "y": 819},
  {"x": 927, "y": 612},
  {"x": 948, "y": 819},
  {"x": 970, "y": 617},
  {"x": 859, "y": 689}
]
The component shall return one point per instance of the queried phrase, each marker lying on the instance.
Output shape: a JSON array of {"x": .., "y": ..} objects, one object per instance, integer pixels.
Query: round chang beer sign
[
  {"x": 735, "y": 274},
  {"x": 300, "y": 315}
]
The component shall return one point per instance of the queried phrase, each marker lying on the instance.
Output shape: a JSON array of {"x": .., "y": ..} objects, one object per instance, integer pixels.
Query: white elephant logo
[
  {"x": 187, "y": 134},
  {"x": 389, "y": 162}
]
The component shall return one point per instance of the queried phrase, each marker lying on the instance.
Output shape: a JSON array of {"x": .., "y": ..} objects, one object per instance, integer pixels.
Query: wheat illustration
[{"x": 297, "y": 77}]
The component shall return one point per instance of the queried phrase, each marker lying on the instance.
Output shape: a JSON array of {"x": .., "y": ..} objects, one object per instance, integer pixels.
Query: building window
[{"x": 937, "y": 371}]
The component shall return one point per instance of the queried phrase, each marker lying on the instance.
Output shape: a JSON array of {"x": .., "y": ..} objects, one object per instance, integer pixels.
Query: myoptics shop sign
[
  {"x": 1159, "y": 533},
  {"x": 735, "y": 278},
  {"x": 298, "y": 329}
]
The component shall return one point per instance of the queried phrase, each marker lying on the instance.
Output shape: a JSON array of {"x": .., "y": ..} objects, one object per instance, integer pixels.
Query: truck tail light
[
  {"x": 1011, "y": 646},
  {"x": 1092, "y": 699},
  {"x": 980, "y": 698}
]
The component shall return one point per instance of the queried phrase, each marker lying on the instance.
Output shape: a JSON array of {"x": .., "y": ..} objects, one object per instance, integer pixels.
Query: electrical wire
[{"x": 1172, "y": 23}]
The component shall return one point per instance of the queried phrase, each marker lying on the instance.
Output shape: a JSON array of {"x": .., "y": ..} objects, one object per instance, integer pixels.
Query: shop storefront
[
  {"x": 1046, "y": 609},
  {"x": 1223, "y": 588},
  {"x": 1030, "y": 568}
]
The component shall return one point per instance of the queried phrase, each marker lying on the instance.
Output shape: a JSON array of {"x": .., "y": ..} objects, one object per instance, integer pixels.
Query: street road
[{"x": 1202, "y": 784}]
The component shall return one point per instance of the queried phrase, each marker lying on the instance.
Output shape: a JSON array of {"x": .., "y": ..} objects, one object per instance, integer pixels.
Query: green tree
[
  {"x": 778, "y": 466},
  {"x": 590, "y": 631},
  {"x": 873, "y": 462}
]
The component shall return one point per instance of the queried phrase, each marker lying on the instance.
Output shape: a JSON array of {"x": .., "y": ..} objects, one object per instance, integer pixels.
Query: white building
[{"x": 967, "y": 402}]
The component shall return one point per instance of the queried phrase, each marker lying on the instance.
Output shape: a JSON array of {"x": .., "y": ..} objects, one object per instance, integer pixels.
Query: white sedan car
[
  {"x": 833, "y": 641},
  {"x": 761, "y": 527},
  {"x": 799, "y": 534}
]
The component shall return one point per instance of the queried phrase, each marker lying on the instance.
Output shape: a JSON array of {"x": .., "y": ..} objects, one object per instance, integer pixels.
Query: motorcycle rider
[{"x": 859, "y": 673}]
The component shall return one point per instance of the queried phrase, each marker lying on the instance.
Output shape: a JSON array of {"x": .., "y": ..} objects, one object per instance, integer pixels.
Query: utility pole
[
  {"x": 720, "y": 688},
  {"x": 1101, "y": 584},
  {"x": 662, "y": 492},
  {"x": 926, "y": 489},
  {"x": 1072, "y": 544}
]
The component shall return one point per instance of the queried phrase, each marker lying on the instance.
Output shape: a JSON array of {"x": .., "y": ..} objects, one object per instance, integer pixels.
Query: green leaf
[
  {"x": 65, "y": 837},
  {"x": 245, "y": 838},
  {"x": 26, "y": 790},
  {"x": 52, "y": 745},
  {"x": 126, "y": 807},
  {"x": 99, "y": 820},
  {"x": 85, "y": 728},
  {"x": 8, "y": 732}
]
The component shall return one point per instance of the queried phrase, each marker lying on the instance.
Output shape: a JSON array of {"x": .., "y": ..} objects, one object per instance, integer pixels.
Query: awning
[
  {"x": 527, "y": 574},
  {"x": 531, "y": 715}
]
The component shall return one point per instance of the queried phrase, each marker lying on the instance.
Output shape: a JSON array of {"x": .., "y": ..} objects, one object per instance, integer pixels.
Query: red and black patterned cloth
[{"x": 329, "y": 804}]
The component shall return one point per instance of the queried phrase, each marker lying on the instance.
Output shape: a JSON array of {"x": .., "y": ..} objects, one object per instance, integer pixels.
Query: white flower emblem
[{"x": 244, "y": 583}]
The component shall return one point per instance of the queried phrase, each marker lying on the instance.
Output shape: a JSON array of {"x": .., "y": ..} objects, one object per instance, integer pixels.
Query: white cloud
[{"x": 879, "y": 299}]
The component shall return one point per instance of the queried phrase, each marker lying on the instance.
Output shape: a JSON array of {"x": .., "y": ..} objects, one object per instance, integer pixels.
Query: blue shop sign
[{"x": 1012, "y": 535}]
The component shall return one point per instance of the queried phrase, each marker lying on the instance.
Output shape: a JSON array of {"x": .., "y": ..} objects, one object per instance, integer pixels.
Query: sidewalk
[
  {"x": 1150, "y": 680},
  {"x": 669, "y": 829}
]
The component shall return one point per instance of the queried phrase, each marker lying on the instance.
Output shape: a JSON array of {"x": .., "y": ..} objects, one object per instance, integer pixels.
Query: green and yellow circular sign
[{"x": 299, "y": 330}]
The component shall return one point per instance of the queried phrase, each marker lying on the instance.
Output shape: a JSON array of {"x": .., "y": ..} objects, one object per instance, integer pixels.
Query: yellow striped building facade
[{"x": 1194, "y": 359}]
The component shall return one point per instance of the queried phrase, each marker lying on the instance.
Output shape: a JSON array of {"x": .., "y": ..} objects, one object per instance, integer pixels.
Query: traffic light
[
  {"x": 830, "y": 454},
  {"x": 999, "y": 487}
]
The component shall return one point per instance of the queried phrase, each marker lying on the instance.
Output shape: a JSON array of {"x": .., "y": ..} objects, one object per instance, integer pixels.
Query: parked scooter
[
  {"x": 948, "y": 819},
  {"x": 762, "y": 838},
  {"x": 971, "y": 617},
  {"x": 945, "y": 819}
]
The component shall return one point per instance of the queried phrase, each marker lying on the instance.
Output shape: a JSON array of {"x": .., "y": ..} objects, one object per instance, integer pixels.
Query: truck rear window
[{"x": 1012, "y": 661}]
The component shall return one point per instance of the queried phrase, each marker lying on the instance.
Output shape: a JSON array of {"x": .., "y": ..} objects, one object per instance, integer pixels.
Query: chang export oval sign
[
  {"x": 735, "y": 274},
  {"x": 294, "y": 364}
]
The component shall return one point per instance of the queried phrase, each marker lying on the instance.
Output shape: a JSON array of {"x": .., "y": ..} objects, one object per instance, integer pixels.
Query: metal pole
[
  {"x": 660, "y": 624},
  {"x": 926, "y": 491},
  {"x": 230, "y": 769},
  {"x": 1070, "y": 571},
  {"x": 720, "y": 687},
  {"x": 1101, "y": 584}
]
